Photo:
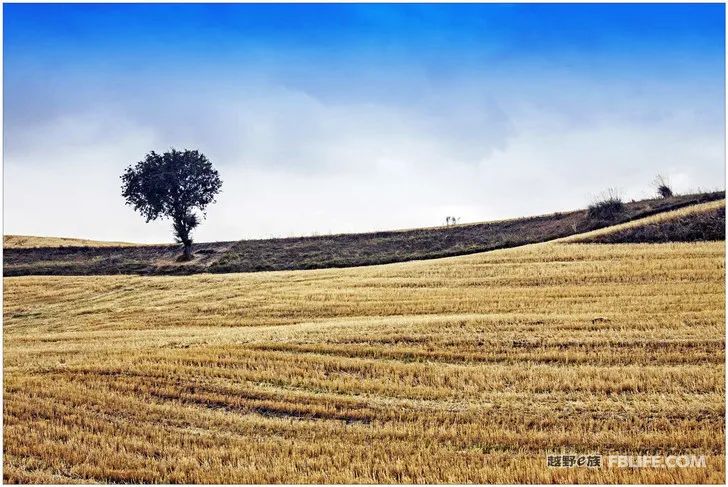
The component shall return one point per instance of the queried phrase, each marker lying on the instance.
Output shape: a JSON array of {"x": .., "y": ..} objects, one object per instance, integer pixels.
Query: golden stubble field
[{"x": 467, "y": 369}]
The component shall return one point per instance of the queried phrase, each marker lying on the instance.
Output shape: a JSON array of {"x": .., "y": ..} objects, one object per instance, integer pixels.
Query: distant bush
[
  {"x": 663, "y": 187},
  {"x": 664, "y": 191},
  {"x": 609, "y": 208}
]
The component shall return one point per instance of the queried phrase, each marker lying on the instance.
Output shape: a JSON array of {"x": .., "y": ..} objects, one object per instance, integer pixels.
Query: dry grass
[
  {"x": 466, "y": 369},
  {"x": 660, "y": 218},
  {"x": 30, "y": 242}
]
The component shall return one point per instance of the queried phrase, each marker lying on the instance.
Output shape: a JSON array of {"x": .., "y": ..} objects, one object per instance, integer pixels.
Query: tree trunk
[
  {"x": 183, "y": 223},
  {"x": 187, "y": 255}
]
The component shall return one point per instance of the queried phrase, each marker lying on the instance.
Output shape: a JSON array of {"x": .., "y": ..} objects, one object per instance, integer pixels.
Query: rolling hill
[
  {"x": 463, "y": 369},
  {"x": 468, "y": 369},
  {"x": 30, "y": 242},
  {"x": 345, "y": 250},
  {"x": 697, "y": 223}
]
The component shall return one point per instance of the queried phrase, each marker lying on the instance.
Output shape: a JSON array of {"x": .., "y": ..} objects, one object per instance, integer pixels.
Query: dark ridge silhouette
[{"x": 346, "y": 250}]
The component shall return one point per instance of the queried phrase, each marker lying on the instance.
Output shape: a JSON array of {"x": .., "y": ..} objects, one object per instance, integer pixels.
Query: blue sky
[{"x": 335, "y": 118}]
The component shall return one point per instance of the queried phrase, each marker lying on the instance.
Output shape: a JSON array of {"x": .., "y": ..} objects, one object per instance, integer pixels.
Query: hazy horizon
[{"x": 351, "y": 118}]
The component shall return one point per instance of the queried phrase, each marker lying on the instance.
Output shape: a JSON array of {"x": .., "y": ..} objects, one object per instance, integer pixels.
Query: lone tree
[{"x": 172, "y": 185}]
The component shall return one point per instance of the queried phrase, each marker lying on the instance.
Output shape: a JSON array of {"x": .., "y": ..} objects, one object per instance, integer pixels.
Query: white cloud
[{"x": 295, "y": 164}]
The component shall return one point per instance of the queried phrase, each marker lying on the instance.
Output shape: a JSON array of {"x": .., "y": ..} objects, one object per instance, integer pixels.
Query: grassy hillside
[
  {"x": 696, "y": 223},
  {"x": 326, "y": 251},
  {"x": 460, "y": 370},
  {"x": 27, "y": 241}
]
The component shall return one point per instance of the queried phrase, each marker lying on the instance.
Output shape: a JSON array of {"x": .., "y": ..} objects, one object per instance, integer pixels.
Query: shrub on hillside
[
  {"x": 609, "y": 208},
  {"x": 663, "y": 187},
  {"x": 664, "y": 191}
]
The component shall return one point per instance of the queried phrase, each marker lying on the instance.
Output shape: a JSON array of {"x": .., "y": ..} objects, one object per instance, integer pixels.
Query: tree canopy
[{"x": 172, "y": 185}]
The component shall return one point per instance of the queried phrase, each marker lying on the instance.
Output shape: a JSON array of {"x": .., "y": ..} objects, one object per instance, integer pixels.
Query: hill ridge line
[{"x": 328, "y": 251}]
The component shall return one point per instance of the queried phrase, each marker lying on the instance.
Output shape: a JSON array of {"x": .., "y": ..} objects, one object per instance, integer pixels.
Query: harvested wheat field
[
  {"x": 30, "y": 242},
  {"x": 465, "y": 369}
]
